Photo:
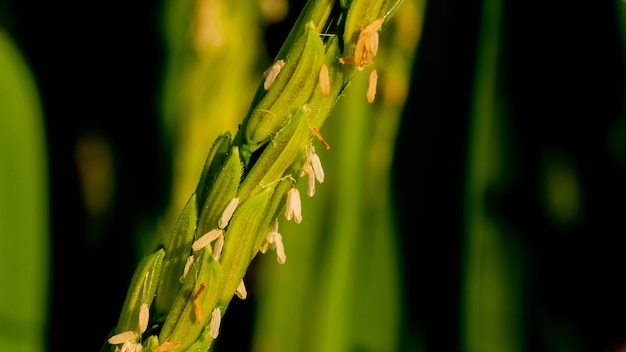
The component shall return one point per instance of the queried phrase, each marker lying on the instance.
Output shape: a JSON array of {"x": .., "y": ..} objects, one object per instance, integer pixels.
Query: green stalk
[{"x": 247, "y": 183}]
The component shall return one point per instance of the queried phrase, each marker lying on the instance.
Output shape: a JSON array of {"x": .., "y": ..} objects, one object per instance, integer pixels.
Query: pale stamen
[
  {"x": 144, "y": 316},
  {"x": 216, "y": 319},
  {"x": 206, "y": 239},
  {"x": 294, "y": 206},
  {"x": 271, "y": 73},
  {"x": 241, "y": 291},
  {"x": 186, "y": 269},
  {"x": 228, "y": 213},
  {"x": 219, "y": 245},
  {"x": 123, "y": 337}
]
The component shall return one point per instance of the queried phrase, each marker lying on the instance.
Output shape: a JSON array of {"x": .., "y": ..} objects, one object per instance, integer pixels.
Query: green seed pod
[
  {"x": 278, "y": 156},
  {"x": 249, "y": 219},
  {"x": 200, "y": 297},
  {"x": 183, "y": 297},
  {"x": 222, "y": 191},
  {"x": 317, "y": 13},
  {"x": 178, "y": 250},
  {"x": 204, "y": 268},
  {"x": 264, "y": 100},
  {"x": 292, "y": 89},
  {"x": 141, "y": 291},
  {"x": 214, "y": 162},
  {"x": 338, "y": 78}
]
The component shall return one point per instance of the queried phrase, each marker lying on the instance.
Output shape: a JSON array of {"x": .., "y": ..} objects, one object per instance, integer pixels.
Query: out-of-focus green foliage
[
  {"x": 24, "y": 232},
  {"x": 492, "y": 311}
]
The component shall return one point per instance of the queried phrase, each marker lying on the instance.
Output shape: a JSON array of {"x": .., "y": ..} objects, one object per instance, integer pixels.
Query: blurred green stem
[
  {"x": 492, "y": 295},
  {"x": 24, "y": 217}
]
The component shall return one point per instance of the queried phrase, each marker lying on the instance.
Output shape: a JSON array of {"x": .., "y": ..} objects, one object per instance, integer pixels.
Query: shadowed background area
[{"x": 508, "y": 175}]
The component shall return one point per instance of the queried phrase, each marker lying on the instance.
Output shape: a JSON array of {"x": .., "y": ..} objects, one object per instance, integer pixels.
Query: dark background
[{"x": 98, "y": 66}]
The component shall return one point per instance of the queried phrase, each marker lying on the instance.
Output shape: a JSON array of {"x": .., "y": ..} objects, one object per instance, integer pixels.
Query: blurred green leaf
[
  {"x": 24, "y": 214},
  {"x": 492, "y": 290}
]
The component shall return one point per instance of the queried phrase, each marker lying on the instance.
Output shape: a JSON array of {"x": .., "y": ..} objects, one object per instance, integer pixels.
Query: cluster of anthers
[
  {"x": 130, "y": 341},
  {"x": 217, "y": 236},
  {"x": 293, "y": 211},
  {"x": 312, "y": 168},
  {"x": 365, "y": 49}
]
